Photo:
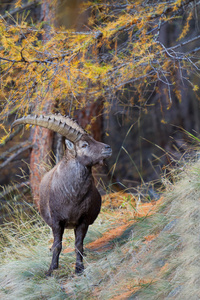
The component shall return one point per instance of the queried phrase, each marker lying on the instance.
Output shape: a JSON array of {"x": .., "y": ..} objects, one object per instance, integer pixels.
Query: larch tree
[
  {"x": 42, "y": 138},
  {"x": 119, "y": 48}
]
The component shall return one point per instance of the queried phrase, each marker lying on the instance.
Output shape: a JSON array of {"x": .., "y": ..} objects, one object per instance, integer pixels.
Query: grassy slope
[{"x": 129, "y": 255}]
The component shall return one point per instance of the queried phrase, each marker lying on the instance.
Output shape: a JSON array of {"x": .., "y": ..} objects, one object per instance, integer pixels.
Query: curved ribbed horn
[{"x": 58, "y": 123}]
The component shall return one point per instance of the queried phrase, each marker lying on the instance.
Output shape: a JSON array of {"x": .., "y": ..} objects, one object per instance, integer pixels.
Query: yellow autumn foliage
[{"x": 78, "y": 67}]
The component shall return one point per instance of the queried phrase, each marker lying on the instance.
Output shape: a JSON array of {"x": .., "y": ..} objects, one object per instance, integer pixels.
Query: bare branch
[
  {"x": 12, "y": 149},
  {"x": 9, "y": 60},
  {"x": 4, "y": 164},
  {"x": 185, "y": 43},
  {"x": 20, "y": 9},
  {"x": 133, "y": 80}
]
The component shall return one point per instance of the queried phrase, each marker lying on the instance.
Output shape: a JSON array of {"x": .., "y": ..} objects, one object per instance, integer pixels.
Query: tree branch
[
  {"x": 12, "y": 149},
  {"x": 4, "y": 164},
  {"x": 185, "y": 43},
  {"x": 19, "y": 9},
  {"x": 11, "y": 136}
]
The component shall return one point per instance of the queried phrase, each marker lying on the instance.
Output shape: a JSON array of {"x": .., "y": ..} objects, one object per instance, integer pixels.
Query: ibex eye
[{"x": 85, "y": 145}]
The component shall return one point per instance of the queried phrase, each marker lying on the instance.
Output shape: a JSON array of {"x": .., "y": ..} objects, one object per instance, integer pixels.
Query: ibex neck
[{"x": 74, "y": 179}]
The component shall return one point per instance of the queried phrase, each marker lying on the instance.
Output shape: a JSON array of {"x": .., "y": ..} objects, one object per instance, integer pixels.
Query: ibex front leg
[
  {"x": 80, "y": 232},
  {"x": 57, "y": 247}
]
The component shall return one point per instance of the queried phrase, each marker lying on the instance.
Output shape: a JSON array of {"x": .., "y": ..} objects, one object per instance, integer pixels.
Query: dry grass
[{"x": 134, "y": 251}]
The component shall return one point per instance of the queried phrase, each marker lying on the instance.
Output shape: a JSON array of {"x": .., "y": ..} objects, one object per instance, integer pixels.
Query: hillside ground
[{"x": 134, "y": 250}]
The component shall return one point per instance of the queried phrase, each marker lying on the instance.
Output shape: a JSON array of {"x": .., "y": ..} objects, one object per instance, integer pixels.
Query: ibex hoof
[
  {"x": 49, "y": 273},
  {"x": 79, "y": 269}
]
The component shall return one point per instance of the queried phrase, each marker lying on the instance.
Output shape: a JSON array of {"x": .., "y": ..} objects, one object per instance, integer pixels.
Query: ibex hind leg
[
  {"x": 80, "y": 232},
  {"x": 58, "y": 230}
]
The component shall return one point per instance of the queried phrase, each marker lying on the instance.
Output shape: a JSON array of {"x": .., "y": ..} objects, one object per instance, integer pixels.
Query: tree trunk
[
  {"x": 42, "y": 138},
  {"x": 85, "y": 117},
  {"x": 42, "y": 144}
]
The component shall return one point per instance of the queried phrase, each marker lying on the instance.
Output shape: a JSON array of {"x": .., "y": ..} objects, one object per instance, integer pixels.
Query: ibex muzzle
[{"x": 68, "y": 196}]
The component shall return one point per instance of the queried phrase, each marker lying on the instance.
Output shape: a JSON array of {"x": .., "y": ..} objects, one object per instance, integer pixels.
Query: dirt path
[{"x": 121, "y": 220}]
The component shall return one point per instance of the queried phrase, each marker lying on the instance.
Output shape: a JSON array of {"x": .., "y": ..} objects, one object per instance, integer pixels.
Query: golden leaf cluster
[{"x": 71, "y": 69}]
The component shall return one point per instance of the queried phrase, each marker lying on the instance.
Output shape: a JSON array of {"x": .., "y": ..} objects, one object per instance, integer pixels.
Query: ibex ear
[{"x": 69, "y": 145}]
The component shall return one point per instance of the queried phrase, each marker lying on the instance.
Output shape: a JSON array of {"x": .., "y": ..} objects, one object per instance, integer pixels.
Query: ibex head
[
  {"x": 88, "y": 151},
  {"x": 79, "y": 144}
]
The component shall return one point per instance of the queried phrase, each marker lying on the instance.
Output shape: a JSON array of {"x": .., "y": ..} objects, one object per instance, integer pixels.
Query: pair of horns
[{"x": 62, "y": 124}]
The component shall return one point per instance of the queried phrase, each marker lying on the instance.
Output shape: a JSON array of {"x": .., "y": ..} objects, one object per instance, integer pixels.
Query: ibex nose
[
  {"x": 107, "y": 147},
  {"x": 107, "y": 150}
]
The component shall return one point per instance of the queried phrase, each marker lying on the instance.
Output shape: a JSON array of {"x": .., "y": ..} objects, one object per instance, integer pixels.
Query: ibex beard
[{"x": 68, "y": 196}]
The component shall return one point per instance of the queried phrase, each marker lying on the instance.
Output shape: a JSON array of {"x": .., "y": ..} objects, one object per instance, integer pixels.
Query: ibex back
[{"x": 68, "y": 196}]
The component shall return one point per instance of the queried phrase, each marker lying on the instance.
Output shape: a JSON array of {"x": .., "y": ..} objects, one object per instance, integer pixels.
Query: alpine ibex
[{"x": 68, "y": 196}]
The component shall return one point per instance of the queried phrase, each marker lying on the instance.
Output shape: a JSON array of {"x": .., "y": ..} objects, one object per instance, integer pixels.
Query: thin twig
[
  {"x": 12, "y": 149},
  {"x": 11, "y": 136},
  {"x": 185, "y": 43},
  {"x": 4, "y": 164},
  {"x": 19, "y": 9}
]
